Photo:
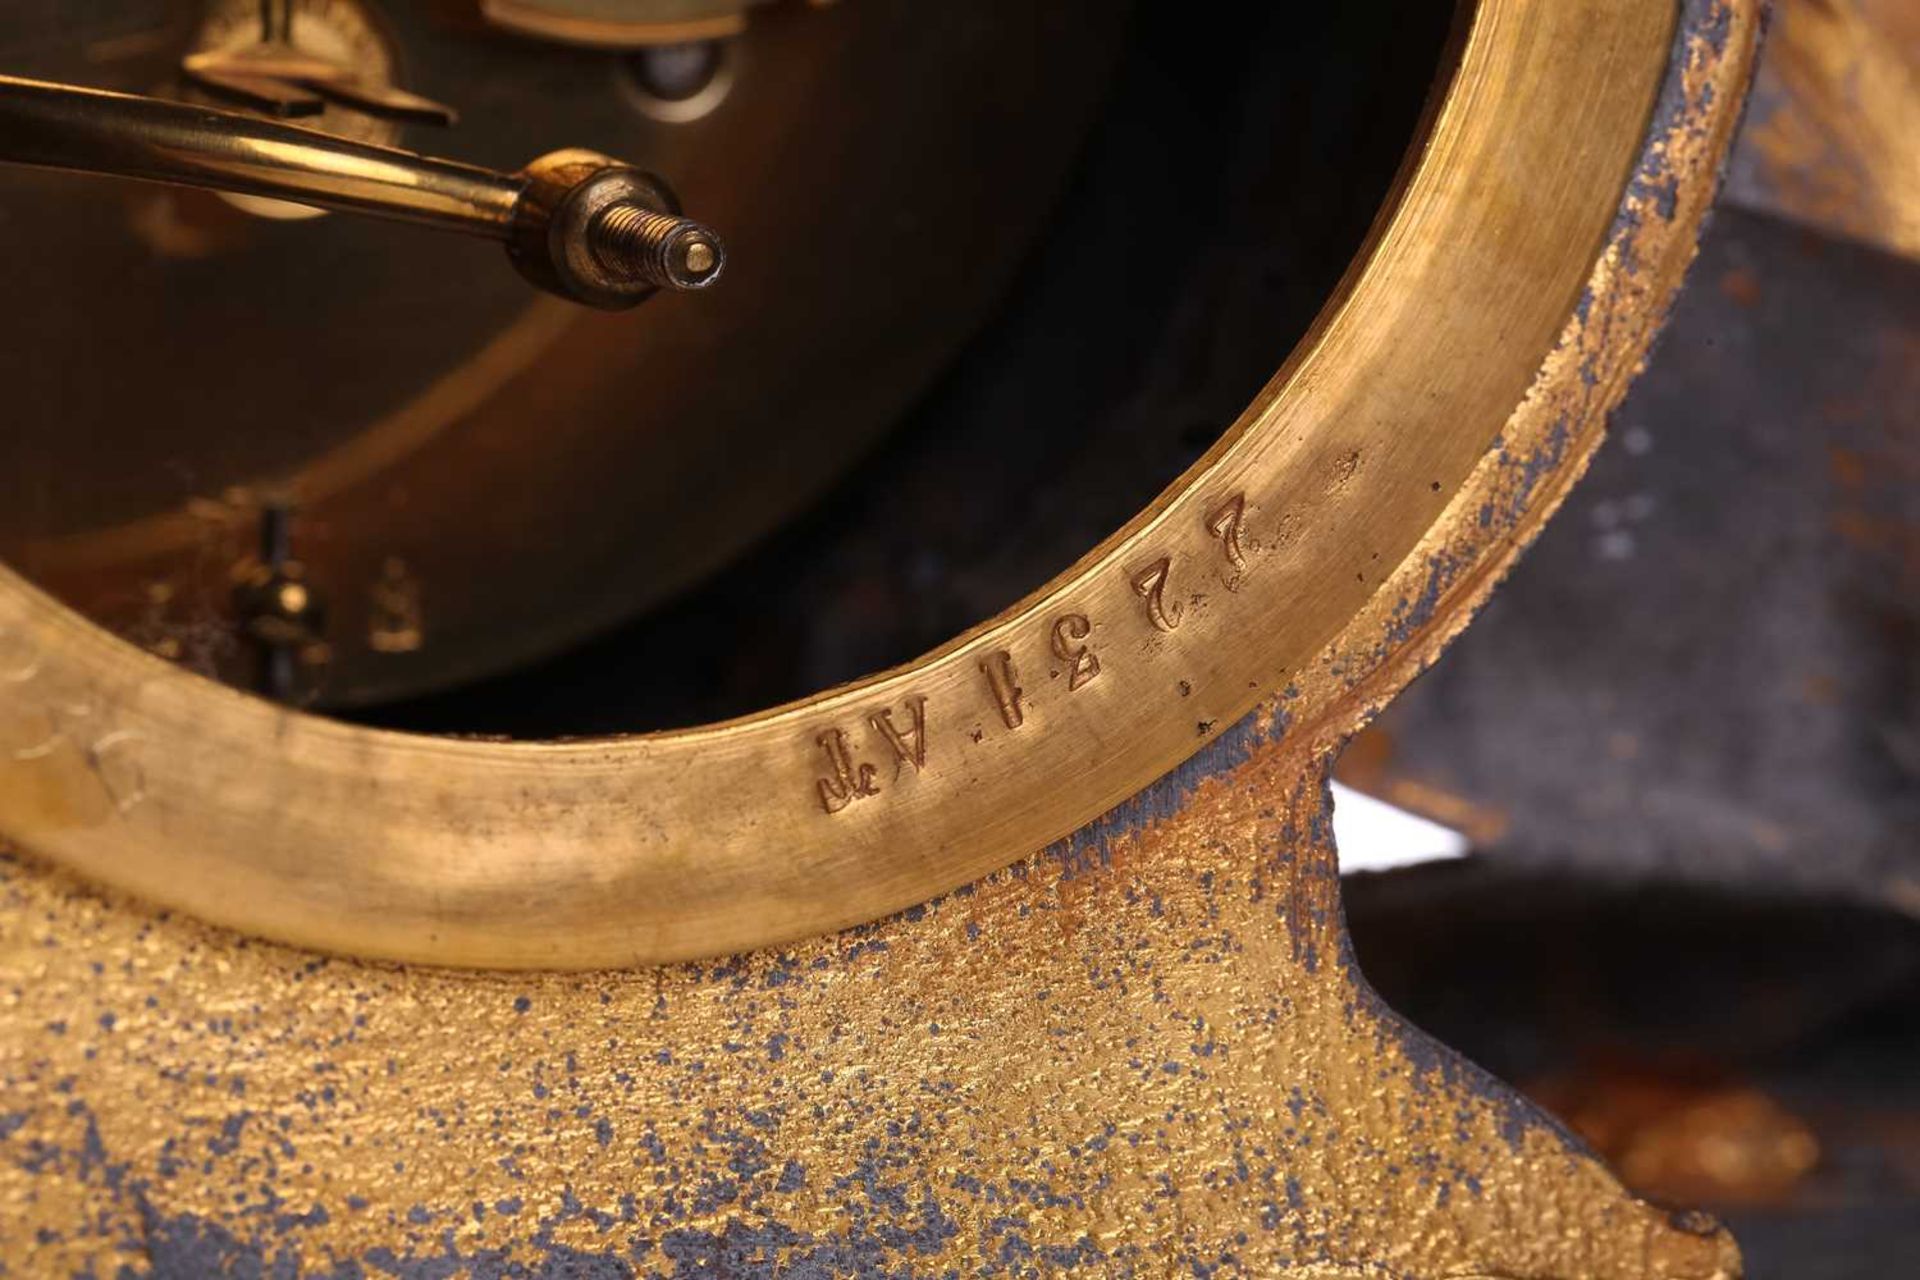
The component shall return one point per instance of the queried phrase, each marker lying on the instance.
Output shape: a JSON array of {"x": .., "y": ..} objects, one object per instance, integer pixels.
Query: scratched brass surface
[
  {"x": 1147, "y": 1057},
  {"x": 1338, "y": 532}
]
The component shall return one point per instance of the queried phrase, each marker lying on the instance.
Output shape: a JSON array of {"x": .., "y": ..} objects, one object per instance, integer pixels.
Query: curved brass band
[{"x": 1305, "y": 553}]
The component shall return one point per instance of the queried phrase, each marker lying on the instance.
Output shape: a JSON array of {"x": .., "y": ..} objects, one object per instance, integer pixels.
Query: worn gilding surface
[
  {"x": 1145, "y": 1051},
  {"x": 1149, "y": 1060}
]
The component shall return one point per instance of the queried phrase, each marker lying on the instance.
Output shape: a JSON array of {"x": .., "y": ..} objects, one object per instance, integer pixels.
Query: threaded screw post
[{"x": 636, "y": 243}]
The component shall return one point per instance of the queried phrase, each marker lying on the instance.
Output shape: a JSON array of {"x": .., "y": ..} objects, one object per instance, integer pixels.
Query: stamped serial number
[{"x": 852, "y": 757}]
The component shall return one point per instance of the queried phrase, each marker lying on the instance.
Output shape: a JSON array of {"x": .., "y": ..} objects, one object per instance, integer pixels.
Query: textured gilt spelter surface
[
  {"x": 1145, "y": 1052},
  {"x": 1154, "y": 1060}
]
